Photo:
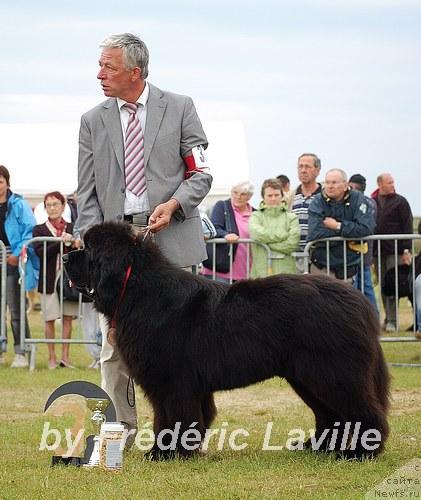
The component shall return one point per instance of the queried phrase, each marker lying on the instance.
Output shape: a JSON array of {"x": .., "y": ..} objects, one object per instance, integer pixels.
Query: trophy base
[
  {"x": 94, "y": 458},
  {"x": 59, "y": 460},
  {"x": 91, "y": 463}
]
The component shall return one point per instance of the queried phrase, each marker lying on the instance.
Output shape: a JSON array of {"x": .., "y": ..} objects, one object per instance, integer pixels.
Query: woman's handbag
[
  {"x": 70, "y": 294},
  {"x": 221, "y": 255},
  {"x": 222, "y": 250}
]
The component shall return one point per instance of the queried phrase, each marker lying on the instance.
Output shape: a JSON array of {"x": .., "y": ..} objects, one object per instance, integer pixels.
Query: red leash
[
  {"x": 123, "y": 291},
  {"x": 112, "y": 331}
]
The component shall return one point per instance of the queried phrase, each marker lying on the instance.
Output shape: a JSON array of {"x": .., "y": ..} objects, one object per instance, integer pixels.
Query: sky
[{"x": 339, "y": 78}]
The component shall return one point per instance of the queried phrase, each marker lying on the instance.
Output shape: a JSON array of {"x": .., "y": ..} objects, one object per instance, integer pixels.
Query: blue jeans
[
  {"x": 417, "y": 297},
  {"x": 13, "y": 303},
  {"x": 368, "y": 284}
]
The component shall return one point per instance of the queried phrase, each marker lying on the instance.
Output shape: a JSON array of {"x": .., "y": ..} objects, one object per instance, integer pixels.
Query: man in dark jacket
[
  {"x": 338, "y": 211},
  {"x": 394, "y": 216}
]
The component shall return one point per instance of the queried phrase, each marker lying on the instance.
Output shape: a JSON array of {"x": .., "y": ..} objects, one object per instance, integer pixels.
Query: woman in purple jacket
[{"x": 231, "y": 220}]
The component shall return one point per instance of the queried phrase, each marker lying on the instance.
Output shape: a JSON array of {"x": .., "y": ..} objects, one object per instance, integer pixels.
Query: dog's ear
[
  {"x": 109, "y": 273},
  {"x": 111, "y": 251}
]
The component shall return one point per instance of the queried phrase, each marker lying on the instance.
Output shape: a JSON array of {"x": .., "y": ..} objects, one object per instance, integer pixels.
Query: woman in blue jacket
[{"x": 16, "y": 223}]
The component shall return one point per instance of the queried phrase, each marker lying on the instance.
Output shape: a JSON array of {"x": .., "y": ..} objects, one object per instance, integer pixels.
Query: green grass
[{"x": 220, "y": 474}]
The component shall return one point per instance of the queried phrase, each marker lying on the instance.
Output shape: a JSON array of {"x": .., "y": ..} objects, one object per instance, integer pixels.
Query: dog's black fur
[{"x": 183, "y": 337}]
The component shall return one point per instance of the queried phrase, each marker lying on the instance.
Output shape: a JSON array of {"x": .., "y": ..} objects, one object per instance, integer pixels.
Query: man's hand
[
  {"x": 67, "y": 239},
  {"x": 161, "y": 216},
  {"x": 330, "y": 223},
  {"x": 76, "y": 244},
  {"x": 232, "y": 237},
  {"x": 12, "y": 260}
]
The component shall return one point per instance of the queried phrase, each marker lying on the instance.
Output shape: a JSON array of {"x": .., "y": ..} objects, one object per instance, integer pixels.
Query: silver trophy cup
[{"x": 97, "y": 406}]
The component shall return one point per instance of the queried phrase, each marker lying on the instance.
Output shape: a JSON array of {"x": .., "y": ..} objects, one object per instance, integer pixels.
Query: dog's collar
[{"x": 123, "y": 290}]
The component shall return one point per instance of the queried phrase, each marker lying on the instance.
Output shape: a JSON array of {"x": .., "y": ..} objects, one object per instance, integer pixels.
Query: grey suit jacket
[{"x": 172, "y": 129}]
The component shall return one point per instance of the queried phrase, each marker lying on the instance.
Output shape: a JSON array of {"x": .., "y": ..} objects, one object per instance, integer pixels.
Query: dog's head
[{"x": 98, "y": 270}]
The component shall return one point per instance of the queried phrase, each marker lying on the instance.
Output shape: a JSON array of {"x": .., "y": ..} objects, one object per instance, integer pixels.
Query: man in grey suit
[{"x": 174, "y": 177}]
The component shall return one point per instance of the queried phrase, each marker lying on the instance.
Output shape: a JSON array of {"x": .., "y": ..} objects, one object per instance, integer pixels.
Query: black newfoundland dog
[{"x": 183, "y": 337}]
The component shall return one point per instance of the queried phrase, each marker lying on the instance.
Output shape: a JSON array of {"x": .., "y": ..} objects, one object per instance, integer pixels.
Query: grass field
[{"x": 220, "y": 474}]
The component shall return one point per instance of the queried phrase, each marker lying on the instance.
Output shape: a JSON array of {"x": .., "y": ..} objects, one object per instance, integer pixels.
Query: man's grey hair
[
  {"x": 244, "y": 187},
  {"x": 135, "y": 52},
  {"x": 316, "y": 159},
  {"x": 344, "y": 177},
  {"x": 381, "y": 177}
]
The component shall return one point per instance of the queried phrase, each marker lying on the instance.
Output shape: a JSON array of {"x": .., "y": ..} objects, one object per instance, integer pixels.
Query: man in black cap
[{"x": 363, "y": 279}]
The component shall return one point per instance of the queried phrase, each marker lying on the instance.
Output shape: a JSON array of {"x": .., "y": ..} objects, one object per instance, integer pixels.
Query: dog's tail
[
  {"x": 382, "y": 380},
  {"x": 382, "y": 389},
  {"x": 373, "y": 412},
  {"x": 378, "y": 390}
]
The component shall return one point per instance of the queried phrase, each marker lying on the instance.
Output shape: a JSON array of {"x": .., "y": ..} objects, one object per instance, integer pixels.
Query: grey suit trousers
[{"x": 115, "y": 380}]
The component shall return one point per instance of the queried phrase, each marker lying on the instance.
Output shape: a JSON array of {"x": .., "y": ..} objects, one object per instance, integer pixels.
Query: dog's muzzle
[
  {"x": 141, "y": 220},
  {"x": 81, "y": 287}
]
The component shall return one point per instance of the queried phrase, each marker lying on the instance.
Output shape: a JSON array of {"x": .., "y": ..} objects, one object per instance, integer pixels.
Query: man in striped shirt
[{"x": 309, "y": 167}]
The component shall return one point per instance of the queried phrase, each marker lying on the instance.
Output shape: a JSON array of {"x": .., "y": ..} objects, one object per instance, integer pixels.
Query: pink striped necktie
[{"x": 134, "y": 161}]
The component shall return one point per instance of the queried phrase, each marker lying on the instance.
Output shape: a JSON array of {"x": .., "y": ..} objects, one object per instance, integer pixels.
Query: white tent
[{"x": 43, "y": 157}]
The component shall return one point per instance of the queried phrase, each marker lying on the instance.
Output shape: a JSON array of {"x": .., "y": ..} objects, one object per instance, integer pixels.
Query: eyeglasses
[
  {"x": 53, "y": 205},
  {"x": 236, "y": 193}
]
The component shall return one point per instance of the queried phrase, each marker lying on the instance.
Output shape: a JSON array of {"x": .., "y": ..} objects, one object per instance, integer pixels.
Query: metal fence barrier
[
  {"x": 248, "y": 242},
  {"x": 3, "y": 269},
  {"x": 31, "y": 343},
  {"x": 377, "y": 239}
]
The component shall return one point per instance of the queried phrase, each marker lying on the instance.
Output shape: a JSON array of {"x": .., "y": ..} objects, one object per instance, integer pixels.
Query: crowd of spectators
[
  {"x": 284, "y": 222},
  {"x": 336, "y": 208},
  {"x": 43, "y": 269}
]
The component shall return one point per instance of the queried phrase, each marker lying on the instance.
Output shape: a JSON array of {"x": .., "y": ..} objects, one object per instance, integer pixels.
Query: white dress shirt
[{"x": 135, "y": 204}]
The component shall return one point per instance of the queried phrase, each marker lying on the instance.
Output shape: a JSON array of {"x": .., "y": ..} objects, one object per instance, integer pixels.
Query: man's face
[
  {"x": 307, "y": 172},
  {"x": 335, "y": 187},
  {"x": 386, "y": 185},
  {"x": 3, "y": 187},
  {"x": 116, "y": 80}
]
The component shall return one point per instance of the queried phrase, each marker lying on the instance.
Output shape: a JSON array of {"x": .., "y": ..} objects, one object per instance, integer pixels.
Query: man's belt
[{"x": 137, "y": 219}]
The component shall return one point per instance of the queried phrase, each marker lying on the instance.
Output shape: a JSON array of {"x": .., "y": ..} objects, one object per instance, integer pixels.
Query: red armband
[
  {"x": 191, "y": 167},
  {"x": 195, "y": 162}
]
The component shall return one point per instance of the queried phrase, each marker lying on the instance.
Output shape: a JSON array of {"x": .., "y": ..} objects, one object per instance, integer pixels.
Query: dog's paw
[
  {"x": 353, "y": 455},
  {"x": 155, "y": 455},
  {"x": 299, "y": 445}
]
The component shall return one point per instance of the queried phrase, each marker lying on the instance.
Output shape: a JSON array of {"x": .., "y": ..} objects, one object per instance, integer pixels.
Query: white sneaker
[
  {"x": 19, "y": 362},
  {"x": 95, "y": 364}
]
